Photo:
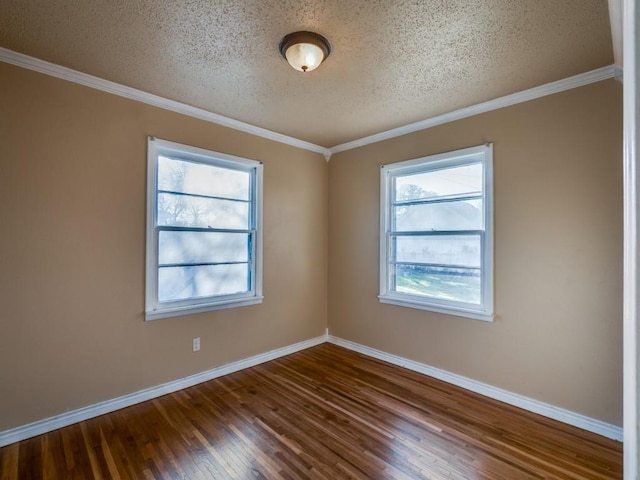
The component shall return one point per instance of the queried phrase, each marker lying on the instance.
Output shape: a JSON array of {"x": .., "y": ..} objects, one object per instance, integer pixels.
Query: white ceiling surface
[{"x": 393, "y": 62}]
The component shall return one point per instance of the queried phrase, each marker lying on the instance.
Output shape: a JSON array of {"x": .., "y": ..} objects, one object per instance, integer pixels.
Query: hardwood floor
[{"x": 323, "y": 413}]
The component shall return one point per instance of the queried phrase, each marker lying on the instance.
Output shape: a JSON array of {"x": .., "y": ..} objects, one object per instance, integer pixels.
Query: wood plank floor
[{"x": 323, "y": 413}]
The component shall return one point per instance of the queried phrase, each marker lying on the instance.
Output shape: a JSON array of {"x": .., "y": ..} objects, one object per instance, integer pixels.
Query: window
[
  {"x": 436, "y": 246},
  {"x": 204, "y": 230}
]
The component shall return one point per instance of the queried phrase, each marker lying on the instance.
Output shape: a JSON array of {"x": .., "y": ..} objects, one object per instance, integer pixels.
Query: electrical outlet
[{"x": 196, "y": 344}]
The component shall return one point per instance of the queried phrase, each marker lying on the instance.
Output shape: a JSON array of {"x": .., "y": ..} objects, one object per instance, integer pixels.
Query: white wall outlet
[{"x": 196, "y": 344}]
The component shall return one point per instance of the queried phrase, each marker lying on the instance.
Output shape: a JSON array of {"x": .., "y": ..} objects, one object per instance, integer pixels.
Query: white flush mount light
[{"x": 305, "y": 51}]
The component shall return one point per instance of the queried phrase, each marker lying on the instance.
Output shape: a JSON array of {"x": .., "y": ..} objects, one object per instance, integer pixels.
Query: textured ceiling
[{"x": 393, "y": 62}]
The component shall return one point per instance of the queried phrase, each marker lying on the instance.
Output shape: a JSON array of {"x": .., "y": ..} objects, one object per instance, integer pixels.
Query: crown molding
[
  {"x": 47, "y": 68},
  {"x": 618, "y": 73},
  {"x": 576, "y": 81}
]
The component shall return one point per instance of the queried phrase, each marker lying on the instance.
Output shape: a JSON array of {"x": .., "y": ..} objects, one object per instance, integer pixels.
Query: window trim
[
  {"x": 484, "y": 311},
  {"x": 154, "y": 309}
]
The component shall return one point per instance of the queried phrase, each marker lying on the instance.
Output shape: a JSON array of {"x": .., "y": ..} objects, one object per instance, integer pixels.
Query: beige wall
[
  {"x": 72, "y": 207},
  {"x": 72, "y": 216},
  {"x": 557, "y": 336}
]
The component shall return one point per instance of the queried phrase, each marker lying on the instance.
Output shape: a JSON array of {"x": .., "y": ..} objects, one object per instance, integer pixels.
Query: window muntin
[
  {"x": 203, "y": 230},
  {"x": 436, "y": 248}
]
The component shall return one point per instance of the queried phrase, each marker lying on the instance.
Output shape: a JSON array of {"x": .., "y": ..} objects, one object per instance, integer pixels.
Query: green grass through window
[{"x": 446, "y": 286}]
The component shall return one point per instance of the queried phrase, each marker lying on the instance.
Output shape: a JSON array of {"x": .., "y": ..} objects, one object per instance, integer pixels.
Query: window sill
[
  {"x": 449, "y": 310},
  {"x": 206, "y": 307}
]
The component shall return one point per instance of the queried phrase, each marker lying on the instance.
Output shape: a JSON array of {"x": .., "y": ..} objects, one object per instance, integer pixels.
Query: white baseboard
[
  {"x": 69, "y": 418},
  {"x": 65, "y": 419},
  {"x": 526, "y": 403}
]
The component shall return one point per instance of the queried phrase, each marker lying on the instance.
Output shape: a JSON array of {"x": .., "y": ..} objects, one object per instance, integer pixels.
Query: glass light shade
[
  {"x": 304, "y": 57},
  {"x": 305, "y": 51}
]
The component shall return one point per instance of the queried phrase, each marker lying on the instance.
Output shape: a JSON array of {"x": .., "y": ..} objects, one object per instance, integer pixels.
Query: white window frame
[
  {"x": 154, "y": 309},
  {"x": 483, "y": 154}
]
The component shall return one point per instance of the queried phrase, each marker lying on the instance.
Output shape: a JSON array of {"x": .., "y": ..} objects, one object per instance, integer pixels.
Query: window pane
[
  {"x": 439, "y": 183},
  {"x": 457, "y": 284},
  {"x": 461, "y": 215},
  {"x": 203, "y": 247},
  {"x": 179, "y": 283},
  {"x": 455, "y": 250},
  {"x": 202, "y": 179},
  {"x": 185, "y": 211}
]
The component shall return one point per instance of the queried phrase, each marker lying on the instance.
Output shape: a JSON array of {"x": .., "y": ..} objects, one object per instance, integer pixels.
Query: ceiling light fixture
[{"x": 305, "y": 51}]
